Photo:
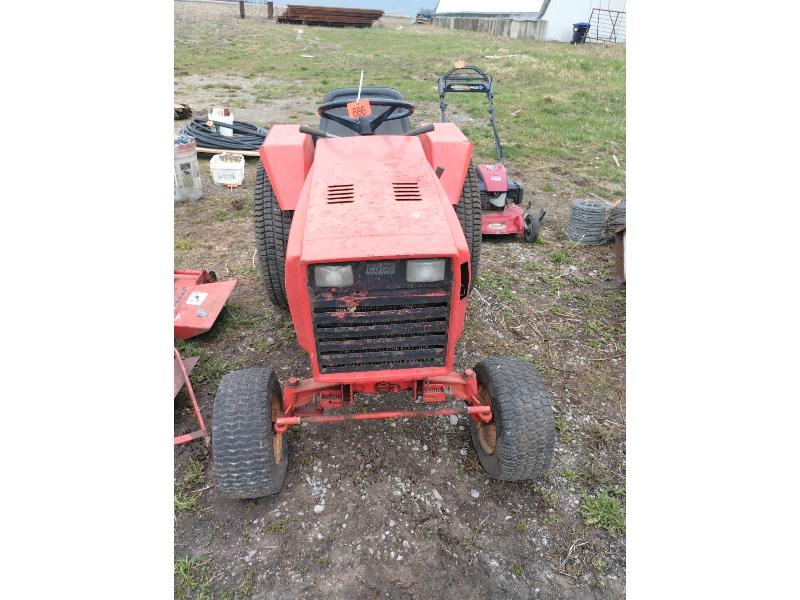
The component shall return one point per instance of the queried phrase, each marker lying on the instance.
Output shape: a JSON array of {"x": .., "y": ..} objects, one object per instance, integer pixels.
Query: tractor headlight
[
  {"x": 426, "y": 269},
  {"x": 333, "y": 275}
]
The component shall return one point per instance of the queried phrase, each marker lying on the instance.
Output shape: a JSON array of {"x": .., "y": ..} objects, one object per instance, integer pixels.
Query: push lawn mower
[
  {"x": 369, "y": 232},
  {"x": 501, "y": 196}
]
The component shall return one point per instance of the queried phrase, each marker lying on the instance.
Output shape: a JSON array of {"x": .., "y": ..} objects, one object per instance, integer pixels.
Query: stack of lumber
[{"x": 329, "y": 15}]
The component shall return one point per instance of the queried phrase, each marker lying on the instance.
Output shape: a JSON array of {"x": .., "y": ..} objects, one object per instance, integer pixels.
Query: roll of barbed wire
[
  {"x": 593, "y": 222},
  {"x": 616, "y": 218}
]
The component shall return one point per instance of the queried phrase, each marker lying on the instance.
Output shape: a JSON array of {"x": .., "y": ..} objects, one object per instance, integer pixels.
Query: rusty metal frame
[
  {"x": 202, "y": 432},
  {"x": 306, "y": 400}
]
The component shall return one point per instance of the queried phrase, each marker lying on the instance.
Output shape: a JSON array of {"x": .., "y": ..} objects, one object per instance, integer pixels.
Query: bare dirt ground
[{"x": 408, "y": 511}]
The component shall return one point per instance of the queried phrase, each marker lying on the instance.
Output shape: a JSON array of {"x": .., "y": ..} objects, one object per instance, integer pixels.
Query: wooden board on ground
[{"x": 220, "y": 151}]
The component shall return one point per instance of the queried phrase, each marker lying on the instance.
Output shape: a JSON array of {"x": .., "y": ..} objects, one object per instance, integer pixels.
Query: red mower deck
[{"x": 199, "y": 298}]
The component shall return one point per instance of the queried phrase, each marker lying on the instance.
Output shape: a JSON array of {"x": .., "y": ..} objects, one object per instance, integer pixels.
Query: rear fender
[
  {"x": 287, "y": 156},
  {"x": 447, "y": 148}
]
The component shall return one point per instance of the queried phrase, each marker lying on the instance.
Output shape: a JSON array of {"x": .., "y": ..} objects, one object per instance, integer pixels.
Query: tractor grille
[{"x": 385, "y": 329}]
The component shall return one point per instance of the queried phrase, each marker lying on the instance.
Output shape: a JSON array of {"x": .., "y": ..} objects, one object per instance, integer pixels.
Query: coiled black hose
[{"x": 245, "y": 136}]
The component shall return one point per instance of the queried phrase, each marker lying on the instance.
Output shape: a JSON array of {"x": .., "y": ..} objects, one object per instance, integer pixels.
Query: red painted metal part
[
  {"x": 198, "y": 298},
  {"x": 307, "y": 400},
  {"x": 182, "y": 369},
  {"x": 387, "y": 229},
  {"x": 494, "y": 177},
  {"x": 448, "y": 148},
  {"x": 508, "y": 221},
  {"x": 287, "y": 155}
]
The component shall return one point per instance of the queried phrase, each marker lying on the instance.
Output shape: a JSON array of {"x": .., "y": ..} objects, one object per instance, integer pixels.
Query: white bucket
[
  {"x": 222, "y": 114},
  {"x": 187, "y": 173},
  {"x": 227, "y": 168}
]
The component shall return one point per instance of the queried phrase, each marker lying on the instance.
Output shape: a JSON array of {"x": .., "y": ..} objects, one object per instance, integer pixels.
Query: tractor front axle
[{"x": 306, "y": 400}]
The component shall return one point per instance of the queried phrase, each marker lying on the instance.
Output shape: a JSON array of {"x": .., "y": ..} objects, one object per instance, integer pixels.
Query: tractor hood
[{"x": 373, "y": 197}]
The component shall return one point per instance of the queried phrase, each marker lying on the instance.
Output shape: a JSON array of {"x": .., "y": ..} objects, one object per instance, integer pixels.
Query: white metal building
[{"x": 556, "y": 16}]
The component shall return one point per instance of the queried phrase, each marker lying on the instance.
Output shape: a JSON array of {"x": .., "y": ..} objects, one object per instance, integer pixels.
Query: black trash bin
[{"x": 579, "y": 31}]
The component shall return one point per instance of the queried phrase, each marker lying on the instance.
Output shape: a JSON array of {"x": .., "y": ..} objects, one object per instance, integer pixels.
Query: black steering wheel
[{"x": 395, "y": 109}]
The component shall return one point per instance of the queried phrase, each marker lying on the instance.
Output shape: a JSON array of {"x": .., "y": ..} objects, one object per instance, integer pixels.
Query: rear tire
[
  {"x": 468, "y": 210},
  {"x": 519, "y": 441},
  {"x": 249, "y": 459},
  {"x": 272, "y": 235}
]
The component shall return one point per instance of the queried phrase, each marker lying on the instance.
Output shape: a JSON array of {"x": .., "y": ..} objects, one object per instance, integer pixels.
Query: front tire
[
  {"x": 519, "y": 441},
  {"x": 249, "y": 459},
  {"x": 272, "y": 236}
]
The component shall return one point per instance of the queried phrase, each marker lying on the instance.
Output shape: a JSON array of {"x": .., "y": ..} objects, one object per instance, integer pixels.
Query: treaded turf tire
[
  {"x": 244, "y": 446},
  {"x": 523, "y": 426},
  {"x": 272, "y": 235},
  {"x": 468, "y": 210}
]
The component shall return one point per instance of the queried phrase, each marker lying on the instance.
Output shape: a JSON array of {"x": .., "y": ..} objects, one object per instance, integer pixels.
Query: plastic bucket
[
  {"x": 187, "y": 172},
  {"x": 222, "y": 114}
]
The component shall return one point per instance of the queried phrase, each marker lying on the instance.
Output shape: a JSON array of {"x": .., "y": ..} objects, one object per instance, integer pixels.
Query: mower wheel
[
  {"x": 518, "y": 443},
  {"x": 531, "y": 227},
  {"x": 272, "y": 234},
  {"x": 249, "y": 458},
  {"x": 468, "y": 210}
]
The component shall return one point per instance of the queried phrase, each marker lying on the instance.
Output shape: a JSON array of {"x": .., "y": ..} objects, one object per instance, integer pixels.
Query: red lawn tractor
[
  {"x": 501, "y": 196},
  {"x": 368, "y": 231}
]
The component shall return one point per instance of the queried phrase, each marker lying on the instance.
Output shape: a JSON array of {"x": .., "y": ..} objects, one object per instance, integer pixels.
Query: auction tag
[
  {"x": 459, "y": 64},
  {"x": 356, "y": 110}
]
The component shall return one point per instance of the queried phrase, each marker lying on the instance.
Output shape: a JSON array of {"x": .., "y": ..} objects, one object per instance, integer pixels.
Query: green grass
[
  {"x": 278, "y": 527},
  {"x": 209, "y": 368},
  {"x": 569, "y": 474},
  {"x": 185, "y": 244},
  {"x": 497, "y": 284},
  {"x": 556, "y": 104},
  {"x": 185, "y": 499},
  {"x": 604, "y": 511},
  {"x": 560, "y": 256},
  {"x": 548, "y": 498},
  {"x": 595, "y": 475},
  {"x": 192, "y": 579},
  {"x": 599, "y": 436},
  {"x": 245, "y": 589}
]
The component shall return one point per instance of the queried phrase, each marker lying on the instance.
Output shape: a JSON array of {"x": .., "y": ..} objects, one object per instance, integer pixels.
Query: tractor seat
[{"x": 396, "y": 127}]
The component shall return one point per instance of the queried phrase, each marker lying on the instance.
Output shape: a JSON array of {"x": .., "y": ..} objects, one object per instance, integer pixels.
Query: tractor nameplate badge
[{"x": 381, "y": 268}]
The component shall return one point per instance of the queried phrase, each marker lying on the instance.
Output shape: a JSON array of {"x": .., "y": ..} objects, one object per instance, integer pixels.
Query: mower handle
[
  {"x": 470, "y": 79},
  {"x": 422, "y": 129}
]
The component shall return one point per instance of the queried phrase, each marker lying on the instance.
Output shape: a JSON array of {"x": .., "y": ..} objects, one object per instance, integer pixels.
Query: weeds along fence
[{"x": 255, "y": 9}]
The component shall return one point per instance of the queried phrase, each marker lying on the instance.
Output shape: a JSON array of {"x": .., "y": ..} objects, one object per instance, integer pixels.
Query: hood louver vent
[
  {"x": 340, "y": 193},
  {"x": 406, "y": 191}
]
